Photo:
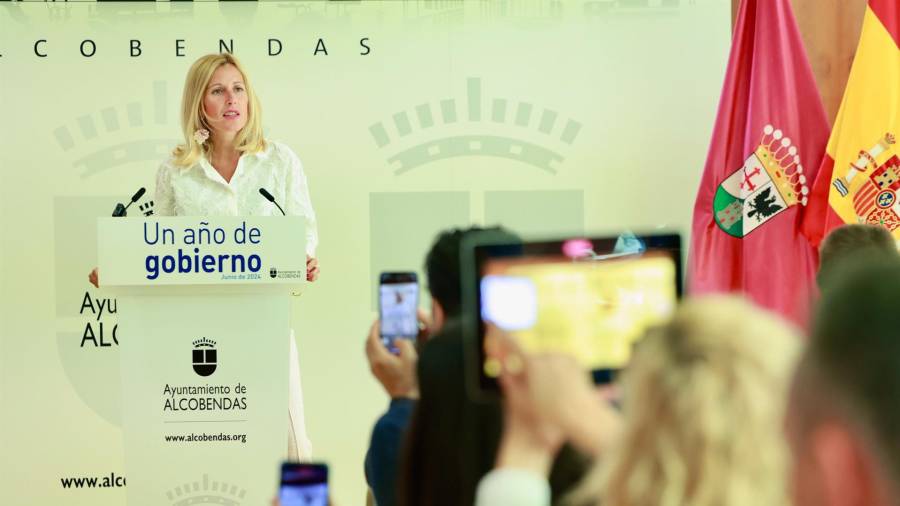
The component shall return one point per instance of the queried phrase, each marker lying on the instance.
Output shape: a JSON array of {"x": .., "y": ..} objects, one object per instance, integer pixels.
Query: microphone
[
  {"x": 268, "y": 196},
  {"x": 121, "y": 210},
  {"x": 137, "y": 195}
]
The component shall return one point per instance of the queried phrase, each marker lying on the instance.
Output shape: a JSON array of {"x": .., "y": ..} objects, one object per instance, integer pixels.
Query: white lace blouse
[{"x": 201, "y": 191}]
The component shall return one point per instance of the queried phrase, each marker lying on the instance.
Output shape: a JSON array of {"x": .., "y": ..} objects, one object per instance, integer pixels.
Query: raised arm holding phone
[{"x": 396, "y": 369}]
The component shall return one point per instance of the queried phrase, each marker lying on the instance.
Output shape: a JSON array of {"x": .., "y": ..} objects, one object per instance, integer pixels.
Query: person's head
[
  {"x": 703, "y": 403},
  {"x": 442, "y": 268},
  {"x": 219, "y": 98},
  {"x": 843, "y": 420},
  {"x": 848, "y": 241},
  {"x": 451, "y": 441}
]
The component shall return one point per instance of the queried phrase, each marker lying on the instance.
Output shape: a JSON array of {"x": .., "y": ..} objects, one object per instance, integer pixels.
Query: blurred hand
[
  {"x": 549, "y": 399},
  {"x": 396, "y": 373},
  {"x": 528, "y": 386},
  {"x": 94, "y": 278},
  {"x": 312, "y": 269}
]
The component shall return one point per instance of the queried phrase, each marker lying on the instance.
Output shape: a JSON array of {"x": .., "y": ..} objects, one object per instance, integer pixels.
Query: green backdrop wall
[{"x": 547, "y": 117}]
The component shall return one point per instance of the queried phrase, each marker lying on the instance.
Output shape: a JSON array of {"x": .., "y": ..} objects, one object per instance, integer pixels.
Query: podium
[{"x": 204, "y": 318}]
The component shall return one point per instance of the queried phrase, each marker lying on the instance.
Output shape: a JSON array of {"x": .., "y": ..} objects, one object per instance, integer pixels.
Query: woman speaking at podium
[
  {"x": 225, "y": 161},
  {"x": 220, "y": 169}
]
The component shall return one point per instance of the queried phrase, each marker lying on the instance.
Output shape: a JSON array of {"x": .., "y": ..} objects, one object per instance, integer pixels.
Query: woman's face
[{"x": 225, "y": 100}]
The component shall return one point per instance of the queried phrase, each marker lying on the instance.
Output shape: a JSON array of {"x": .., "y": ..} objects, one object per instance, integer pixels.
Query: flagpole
[
  {"x": 735, "y": 6},
  {"x": 830, "y": 30}
]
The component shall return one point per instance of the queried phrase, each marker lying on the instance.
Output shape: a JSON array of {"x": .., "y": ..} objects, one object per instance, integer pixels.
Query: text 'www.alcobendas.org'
[
  {"x": 113, "y": 481},
  {"x": 203, "y": 438}
]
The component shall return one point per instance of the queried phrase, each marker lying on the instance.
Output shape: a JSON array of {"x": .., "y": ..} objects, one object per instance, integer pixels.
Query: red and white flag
[{"x": 769, "y": 137}]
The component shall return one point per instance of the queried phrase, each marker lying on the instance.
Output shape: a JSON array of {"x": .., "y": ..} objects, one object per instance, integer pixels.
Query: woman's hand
[
  {"x": 94, "y": 278},
  {"x": 396, "y": 373},
  {"x": 312, "y": 268},
  {"x": 531, "y": 437},
  {"x": 548, "y": 399}
]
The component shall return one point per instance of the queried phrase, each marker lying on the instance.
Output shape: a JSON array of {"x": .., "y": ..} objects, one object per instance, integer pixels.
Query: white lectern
[{"x": 204, "y": 318}]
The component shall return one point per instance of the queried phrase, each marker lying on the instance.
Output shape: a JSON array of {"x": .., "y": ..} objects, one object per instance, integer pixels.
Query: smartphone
[
  {"x": 398, "y": 299},
  {"x": 303, "y": 484}
]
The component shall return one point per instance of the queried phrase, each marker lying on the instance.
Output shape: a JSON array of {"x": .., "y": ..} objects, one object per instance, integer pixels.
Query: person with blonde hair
[
  {"x": 224, "y": 160},
  {"x": 701, "y": 421},
  {"x": 218, "y": 171}
]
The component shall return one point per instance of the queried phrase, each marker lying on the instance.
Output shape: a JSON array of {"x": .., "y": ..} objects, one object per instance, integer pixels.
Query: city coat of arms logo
[
  {"x": 769, "y": 182},
  {"x": 873, "y": 186},
  {"x": 204, "y": 356}
]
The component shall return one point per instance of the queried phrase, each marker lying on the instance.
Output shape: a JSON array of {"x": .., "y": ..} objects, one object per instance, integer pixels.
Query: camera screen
[
  {"x": 593, "y": 310},
  {"x": 304, "y": 495},
  {"x": 304, "y": 485},
  {"x": 398, "y": 309}
]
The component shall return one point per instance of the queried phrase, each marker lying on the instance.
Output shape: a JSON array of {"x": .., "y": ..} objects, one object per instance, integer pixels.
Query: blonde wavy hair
[
  {"x": 193, "y": 117},
  {"x": 704, "y": 399}
]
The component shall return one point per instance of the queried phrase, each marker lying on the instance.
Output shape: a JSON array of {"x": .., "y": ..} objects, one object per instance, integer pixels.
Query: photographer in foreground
[{"x": 701, "y": 420}]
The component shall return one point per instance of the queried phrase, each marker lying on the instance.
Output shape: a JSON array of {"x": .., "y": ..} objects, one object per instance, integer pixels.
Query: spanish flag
[
  {"x": 768, "y": 139},
  {"x": 859, "y": 179}
]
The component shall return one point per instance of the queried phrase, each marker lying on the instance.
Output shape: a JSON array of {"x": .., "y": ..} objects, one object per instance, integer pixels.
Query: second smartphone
[
  {"x": 398, "y": 300},
  {"x": 303, "y": 484}
]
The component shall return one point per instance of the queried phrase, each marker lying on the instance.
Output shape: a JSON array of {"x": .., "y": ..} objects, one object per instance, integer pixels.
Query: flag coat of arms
[
  {"x": 768, "y": 139},
  {"x": 859, "y": 177}
]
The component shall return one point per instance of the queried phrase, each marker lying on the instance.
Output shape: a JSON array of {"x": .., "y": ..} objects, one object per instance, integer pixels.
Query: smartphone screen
[
  {"x": 303, "y": 484},
  {"x": 398, "y": 299}
]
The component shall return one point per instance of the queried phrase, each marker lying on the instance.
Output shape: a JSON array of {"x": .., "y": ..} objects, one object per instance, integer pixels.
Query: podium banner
[
  {"x": 205, "y": 367},
  {"x": 204, "y": 408},
  {"x": 201, "y": 250}
]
